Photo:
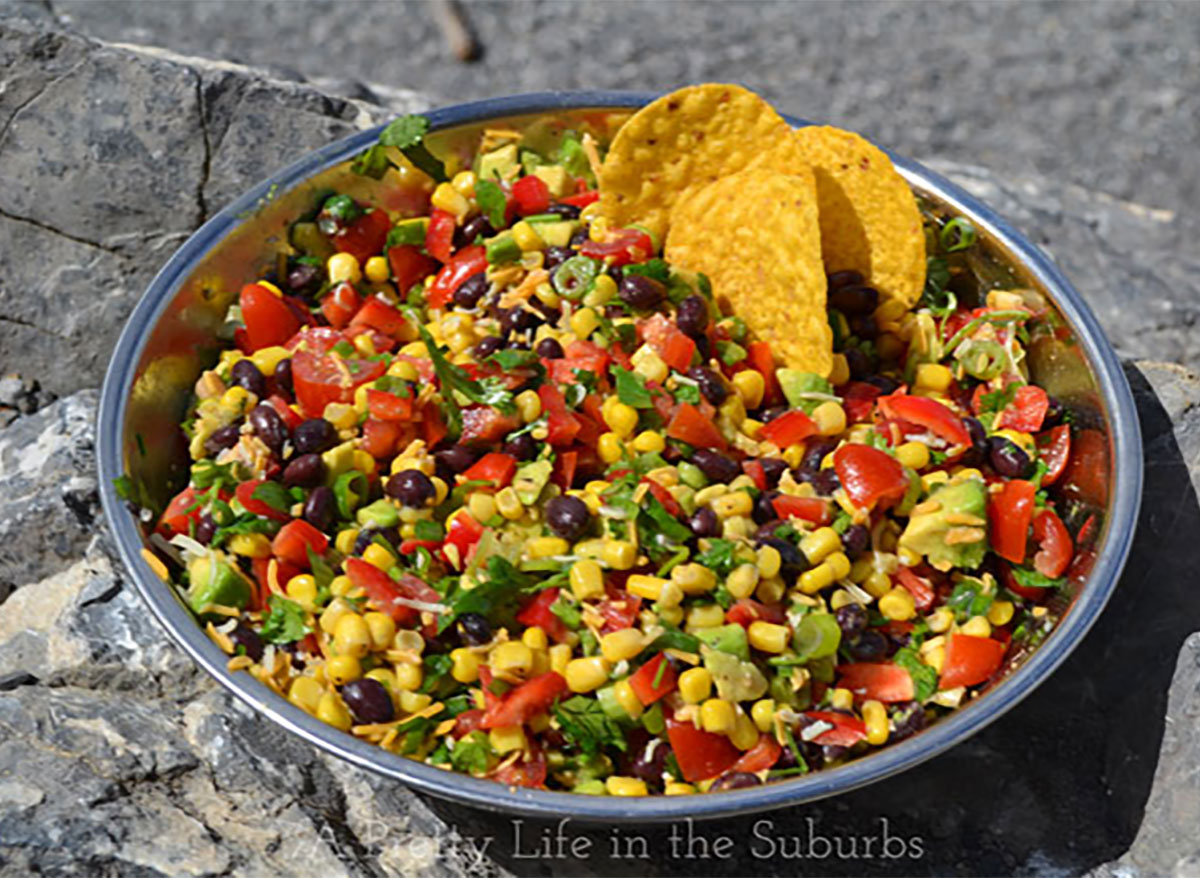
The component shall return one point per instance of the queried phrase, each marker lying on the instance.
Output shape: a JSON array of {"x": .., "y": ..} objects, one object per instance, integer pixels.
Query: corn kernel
[
  {"x": 695, "y": 685},
  {"x": 587, "y": 579},
  {"x": 1000, "y": 613},
  {"x": 763, "y": 714},
  {"x": 464, "y": 665},
  {"x": 619, "y": 554},
  {"x": 669, "y": 597},
  {"x": 768, "y": 637},
  {"x": 268, "y": 359},
  {"x": 694, "y": 579},
  {"x": 830, "y": 418},
  {"x": 898, "y": 605},
  {"x": 409, "y": 676},
  {"x": 877, "y": 584},
  {"x": 377, "y": 272},
  {"x": 940, "y": 620},
  {"x": 672, "y": 616},
  {"x": 509, "y": 504},
  {"x": 627, "y": 698},
  {"x": 717, "y": 716},
  {"x": 678, "y": 788},
  {"x": 750, "y": 386},
  {"x": 382, "y": 630},
  {"x": 841, "y": 699},
  {"x": 584, "y": 322},
  {"x": 342, "y": 669},
  {"x": 935, "y": 657},
  {"x": 751, "y": 427},
  {"x": 603, "y": 291},
  {"x": 560, "y": 657},
  {"x": 506, "y": 739},
  {"x": 535, "y": 638},
  {"x": 351, "y": 636},
  {"x": 404, "y": 369},
  {"x": 377, "y": 556},
  {"x": 382, "y": 675},
  {"x": 609, "y": 447},
  {"x": 875, "y": 717},
  {"x": 648, "y": 587},
  {"x": 820, "y": 543},
  {"x": 329, "y": 618},
  {"x": 742, "y": 580},
  {"x": 512, "y": 657},
  {"x": 745, "y": 732},
  {"x": 586, "y": 674},
  {"x": 907, "y": 557},
  {"x": 343, "y": 268},
  {"x": 529, "y": 404},
  {"x": 622, "y": 645},
  {"x": 331, "y": 710},
  {"x": 933, "y": 376},
  {"x": 305, "y": 693},
  {"x": 770, "y": 591},
  {"x": 735, "y": 503},
  {"x": 914, "y": 455},
  {"x": 649, "y": 441},
  {"x": 768, "y": 560},
  {"x": 819, "y": 577},
  {"x": 977, "y": 626},
  {"x": 647, "y": 363},
  {"x": 250, "y": 545},
  {"x": 705, "y": 616},
  {"x": 840, "y": 373},
  {"x": 411, "y": 702},
  {"x": 621, "y": 419},
  {"x": 625, "y": 786},
  {"x": 302, "y": 588},
  {"x": 446, "y": 197},
  {"x": 840, "y": 564},
  {"x": 526, "y": 237},
  {"x": 546, "y": 547}
]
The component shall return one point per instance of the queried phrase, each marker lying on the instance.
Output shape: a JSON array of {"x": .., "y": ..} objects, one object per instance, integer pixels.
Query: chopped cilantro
[
  {"x": 925, "y": 678},
  {"x": 585, "y": 724},
  {"x": 730, "y": 352},
  {"x": 472, "y": 754},
  {"x": 631, "y": 389},
  {"x": 1027, "y": 578},
  {"x": 492, "y": 203},
  {"x": 721, "y": 557},
  {"x": 274, "y": 495},
  {"x": 656, "y": 269},
  {"x": 407, "y": 134},
  {"x": 285, "y": 621}
]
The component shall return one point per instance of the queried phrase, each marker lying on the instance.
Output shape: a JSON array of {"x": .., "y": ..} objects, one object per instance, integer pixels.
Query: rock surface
[{"x": 118, "y": 757}]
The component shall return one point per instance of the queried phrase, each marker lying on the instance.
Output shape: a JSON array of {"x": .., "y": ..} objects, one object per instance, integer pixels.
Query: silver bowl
[{"x": 171, "y": 337}]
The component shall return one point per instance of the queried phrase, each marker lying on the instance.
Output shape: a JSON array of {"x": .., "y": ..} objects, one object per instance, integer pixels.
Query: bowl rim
[{"x": 1125, "y": 435}]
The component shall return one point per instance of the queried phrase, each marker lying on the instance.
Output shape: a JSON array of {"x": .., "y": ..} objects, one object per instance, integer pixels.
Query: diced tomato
[
  {"x": 529, "y": 772},
  {"x": 245, "y": 496},
  {"x": 494, "y": 467},
  {"x": 858, "y": 400},
  {"x": 846, "y": 732},
  {"x": 319, "y": 380},
  {"x": 808, "y": 508},
  {"x": 1026, "y": 412},
  {"x": 1010, "y": 513},
  {"x": 463, "y": 532},
  {"x": 467, "y": 722},
  {"x": 619, "y": 609},
  {"x": 582, "y": 355},
  {"x": 561, "y": 426},
  {"x": 1054, "y": 544},
  {"x": 466, "y": 263},
  {"x": 536, "y": 613},
  {"x": 439, "y": 235},
  {"x": 747, "y": 611},
  {"x": 409, "y": 266},
  {"x": 623, "y": 247},
  {"x": 433, "y": 428},
  {"x": 691, "y": 426},
  {"x": 919, "y": 587},
  {"x": 340, "y": 304},
  {"x": 760, "y": 757},
  {"x": 269, "y": 321},
  {"x": 482, "y": 425},
  {"x": 761, "y": 360},
  {"x": 1027, "y": 592},
  {"x": 285, "y": 411},
  {"x": 653, "y": 680},
  {"x": 565, "y": 464},
  {"x": 385, "y": 593},
  {"x": 927, "y": 413},
  {"x": 531, "y": 194},
  {"x": 175, "y": 518},
  {"x": 294, "y": 540},
  {"x": 1086, "y": 476},
  {"x": 365, "y": 236},
  {"x": 754, "y": 469},
  {"x": 673, "y": 346},
  {"x": 869, "y": 475},
  {"x": 876, "y": 680},
  {"x": 790, "y": 428},
  {"x": 409, "y": 546},
  {"x": 378, "y": 314},
  {"x": 970, "y": 660},
  {"x": 381, "y": 439},
  {"x": 582, "y": 199},
  {"x": 389, "y": 406},
  {"x": 517, "y": 706},
  {"x": 1054, "y": 449},
  {"x": 663, "y": 496},
  {"x": 700, "y": 755},
  {"x": 314, "y": 339}
]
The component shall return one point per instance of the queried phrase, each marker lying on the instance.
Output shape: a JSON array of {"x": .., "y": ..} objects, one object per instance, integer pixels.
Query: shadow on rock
[{"x": 1060, "y": 783}]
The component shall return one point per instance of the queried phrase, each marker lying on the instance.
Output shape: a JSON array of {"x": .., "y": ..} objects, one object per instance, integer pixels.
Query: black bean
[
  {"x": 476, "y": 629},
  {"x": 455, "y": 459},
  {"x": 886, "y": 385},
  {"x": 641, "y": 292},
  {"x": 549, "y": 349},
  {"x": 566, "y": 211},
  {"x": 792, "y": 560},
  {"x": 704, "y": 523},
  {"x": 517, "y": 319},
  {"x": 568, "y": 517},
  {"x": 852, "y": 619},
  {"x": 650, "y": 761},
  {"x": 283, "y": 377},
  {"x": 844, "y": 279},
  {"x": 553, "y": 257},
  {"x": 320, "y": 507},
  {"x": 773, "y": 470},
  {"x": 471, "y": 290},
  {"x": 816, "y": 451},
  {"x": 314, "y": 436},
  {"x": 715, "y": 465},
  {"x": 824, "y": 481},
  {"x": 488, "y": 346},
  {"x": 856, "y": 540},
  {"x": 703, "y": 349},
  {"x": 269, "y": 427},
  {"x": 1054, "y": 413},
  {"x": 763, "y": 511},
  {"x": 869, "y": 646},
  {"x": 304, "y": 471},
  {"x": 247, "y": 639},
  {"x": 692, "y": 316},
  {"x": 864, "y": 326},
  {"x": 860, "y": 364},
  {"x": 523, "y": 447},
  {"x": 710, "y": 384},
  {"x": 908, "y": 718},
  {"x": 222, "y": 438},
  {"x": 734, "y": 780},
  {"x": 369, "y": 701},
  {"x": 581, "y": 234},
  {"x": 978, "y": 452},
  {"x": 411, "y": 487},
  {"x": 476, "y": 227},
  {"x": 205, "y": 529},
  {"x": 1007, "y": 458},
  {"x": 769, "y": 414},
  {"x": 304, "y": 278},
  {"x": 854, "y": 299},
  {"x": 246, "y": 374}
]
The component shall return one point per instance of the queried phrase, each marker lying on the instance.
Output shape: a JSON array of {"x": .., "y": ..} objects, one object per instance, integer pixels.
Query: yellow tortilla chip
[
  {"x": 686, "y": 140},
  {"x": 870, "y": 222},
  {"x": 756, "y": 235}
]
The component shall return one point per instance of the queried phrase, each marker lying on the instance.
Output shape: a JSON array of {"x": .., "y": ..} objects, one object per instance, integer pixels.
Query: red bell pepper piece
[
  {"x": 482, "y": 425},
  {"x": 869, "y": 475},
  {"x": 919, "y": 587},
  {"x": 382, "y": 439},
  {"x": 754, "y": 469},
  {"x": 409, "y": 266},
  {"x": 285, "y": 411},
  {"x": 1054, "y": 544},
  {"x": 1010, "y": 513},
  {"x": 365, "y": 236},
  {"x": 378, "y": 314},
  {"x": 340, "y": 304},
  {"x": 846, "y": 732},
  {"x": 565, "y": 464},
  {"x": 463, "y": 532},
  {"x": 691, "y": 426},
  {"x": 747, "y": 611},
  {"x": 495, "y": 467},
  {"x": 970, "y": 660},
  {"x": 624, "y": 246},
  {"x": 663, "y": 496},
  {"x": 1054, "y": 449},
  {"x": 537, "y": 614},
  {"x": 531, "y": 194},
  {"x": 927, "y": 413},
  {"x": 700, "y": 755},
  {"x": 790, "y": 428},
  {"x": 760, "y": 757},
  {"x": 581, "y": 199},
  {"x": 467, "y": 262},
  {"x": 439, "y": 235},
  {"x": 858, "y": 400},
  {"x": 269, "y": 321},
  {"x": 517, "y": 706},
  {"x": 876, "y": 680},
  {"x": 808, "y": 508},
  {"x": 385, "y": 593},
  {"x": 653, "y": 680},
  {"x": 389, "y": 406},
  {"x": 1026, "y": 412},
  {"x": 176, "y": 517},
  {"x": 294, "y": 540},
  {"x": 761, "y": 360},
  {"x": 561, "y": 425},
  {"x": 245, "y": 496}
]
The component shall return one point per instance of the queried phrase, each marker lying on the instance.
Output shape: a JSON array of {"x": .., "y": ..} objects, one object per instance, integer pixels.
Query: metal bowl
[{"x": 171, "y": 337}]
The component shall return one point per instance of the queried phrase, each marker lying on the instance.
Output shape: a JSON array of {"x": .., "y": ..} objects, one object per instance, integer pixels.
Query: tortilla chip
[
  {"x": 870, "y": 222},
  {"x": 756, "y": 235},
  {"x": 686, "y": 140}
]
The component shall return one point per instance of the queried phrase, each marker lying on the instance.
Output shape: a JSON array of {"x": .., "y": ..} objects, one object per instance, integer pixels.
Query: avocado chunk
[
  {"x": 338, "y": 459},
  {"x": 409, "y": 231},
  {"x": 736, "y": 680},
  {"x": 556, "y": 234},
  {"x": 726, "y": 638},
  {"x": 501, "y": 249},
  {"x": 379, "y": 514},
  {"x": 800, "y": 387},
  {"x": 499, "y": 164},
  {"x": 530, "y": 479},
  {"x": 215, "y": 581},
  {"x": 950, "y": 528},
  {"x": 555, "y": 178}
]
